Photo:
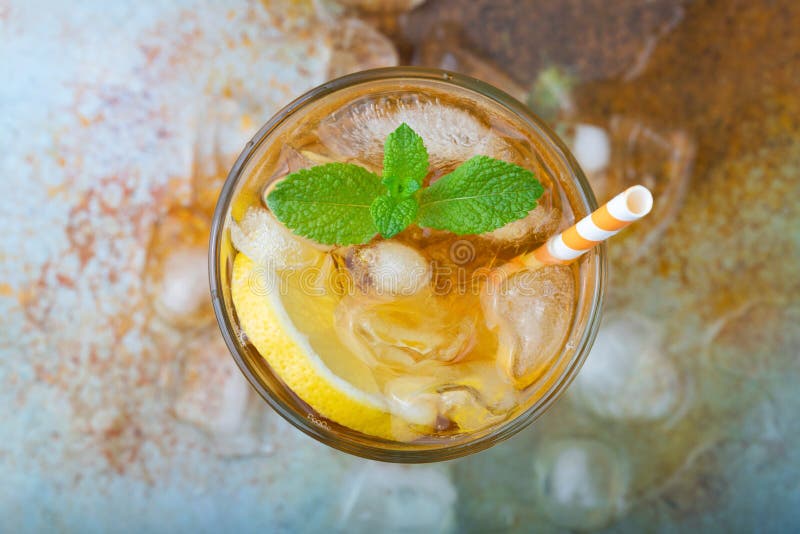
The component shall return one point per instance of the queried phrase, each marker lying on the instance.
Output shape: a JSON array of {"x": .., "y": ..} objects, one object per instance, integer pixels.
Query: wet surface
[{"x": 117, "y": 150}]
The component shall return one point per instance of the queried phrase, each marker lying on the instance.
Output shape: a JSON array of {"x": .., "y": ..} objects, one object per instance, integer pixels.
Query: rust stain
[
  {"x": 65, "y": 281},
  {"x": 151, "y": 53},
  {"x": 6, "y": 290}
]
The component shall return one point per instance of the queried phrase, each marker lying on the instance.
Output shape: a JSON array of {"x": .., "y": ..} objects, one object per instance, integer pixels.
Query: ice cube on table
[
  {"x": 358, "y": 46},
  {"x": 263, "y": 239},
  {"x": 452, "y": 135},
  {"x": 444, "y": 48},
  {"x": 759, "y": 342},
  {"x": 176, "y": 272},
  {"x": 627, "y": 375},
  {"x": 531, "y": 313},
  {"x": 396, "y": 499},
  {"x": 591, "y": 147},
  {"x": 580, "y": 483},
  {"x": 213, "y": 394},
  {"x": 638, "y": 153},
  {"x": 388, "y": 269},
  {"x": 184, "y": 283},
  {"x": 220, "y": 134},
  {"x": 404, "y": 332},
  {"x": 551, "y": 95}
]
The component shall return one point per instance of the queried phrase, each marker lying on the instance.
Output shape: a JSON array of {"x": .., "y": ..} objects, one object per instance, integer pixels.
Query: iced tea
[{"x": 402, "y": 344}]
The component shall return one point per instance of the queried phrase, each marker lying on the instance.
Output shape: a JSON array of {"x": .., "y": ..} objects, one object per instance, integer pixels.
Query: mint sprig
[{"x": 344, "y": 204}]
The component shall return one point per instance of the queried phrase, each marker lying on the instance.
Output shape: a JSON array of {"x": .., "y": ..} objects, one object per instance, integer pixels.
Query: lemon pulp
[{"x": 313, "y": 364}]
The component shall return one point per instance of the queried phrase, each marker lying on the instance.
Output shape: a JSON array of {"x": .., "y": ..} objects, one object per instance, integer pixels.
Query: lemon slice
[{"x": 313, "y": 364}]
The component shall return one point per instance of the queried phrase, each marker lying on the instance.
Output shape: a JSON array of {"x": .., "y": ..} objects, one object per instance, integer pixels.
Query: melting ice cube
[
  {"x": 215, "y": 397},
  {"x": 580, "y": 483},
  {"x": 629, "y": 151},
  {"x": 184, "y": 283},
  {"x": 444, "y": 48},
  {"x": 213, "y": 393},
  {"x": 627, "y": 375},
  {"x": 388, "y": 268},
  {"x": 398, "y": 499},
  {"x": 358, "y": 46},
  {"x": 405, "y": 331},
  {"x": 541, "y": 223},
  {"x": 591, "y": 147},
  {"x": 469, "y": 395},
  {"x": 759, "y": 341},
  {"x": 532, "y": 313},
  {"x": 452, "y": 135},
  {"x": 266, "y": 241},
  {"x": 176, "y": 274}
]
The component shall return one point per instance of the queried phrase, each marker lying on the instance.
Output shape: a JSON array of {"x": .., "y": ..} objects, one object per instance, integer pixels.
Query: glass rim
[{"x": 414, "y": 453}]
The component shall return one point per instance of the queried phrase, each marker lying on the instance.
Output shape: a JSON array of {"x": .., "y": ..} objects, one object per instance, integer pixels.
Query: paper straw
[{"x": 622, "y": 210}]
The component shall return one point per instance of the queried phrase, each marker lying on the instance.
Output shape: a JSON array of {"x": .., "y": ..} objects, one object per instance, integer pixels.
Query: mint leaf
[
  {"x": 329, "y": 203},
  {"x": 405, "y": 161},
  {"x": 392, "y": 214},
  {"x": 481, "y": 195}
]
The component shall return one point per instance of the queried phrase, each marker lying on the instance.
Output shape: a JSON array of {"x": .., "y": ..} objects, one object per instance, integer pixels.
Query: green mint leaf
[
  {"x": 405, "y": 161},
  {"x": 328, "y": 203},
  {"x": 482, "y": 194},
  {"x": 392, "y": 214}
]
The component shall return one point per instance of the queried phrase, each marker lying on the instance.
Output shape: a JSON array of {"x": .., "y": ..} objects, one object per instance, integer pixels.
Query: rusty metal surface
[{"x": 120, "y": 409}]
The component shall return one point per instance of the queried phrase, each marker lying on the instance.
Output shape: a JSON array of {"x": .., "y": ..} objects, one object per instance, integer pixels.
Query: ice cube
[
  {"x": 464, "y": 397},
  {"x": 758, "y": 342},
  {"x": 264, "y": 240},
  {"x": 220, "y": 134},
  {"x": 184, "y": 283},
  {"x": 213, "y": 393},
  {"x": 452, "y": 135},
  {"x": 413, "y": 399},
  {"x": 551, "y": 95},
  {"x": 390, "y": 498},
  {"x": 291, "y": 159},
  {"x": 628, "y": 362},
  {"x": 591, "y": 147},
  {"x": 541, "y": 223},
  {"x": 176, "y": 273},
  {"x": 405, "y": 331},
  {"x": 444, "y": 48},
  {"x": 532, "y": 313},
  {"x": 388, "y": 269},
  {"x": 580, "y": 483},
  {"x": 641, "y": 153},
  {"x": 358, "y": 46}
]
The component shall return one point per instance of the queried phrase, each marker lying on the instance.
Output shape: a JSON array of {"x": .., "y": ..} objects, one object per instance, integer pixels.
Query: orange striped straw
[{"x": 622, "y": 210}]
